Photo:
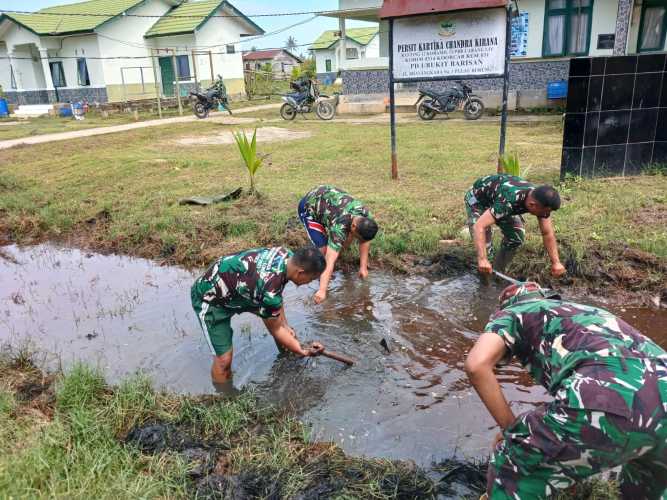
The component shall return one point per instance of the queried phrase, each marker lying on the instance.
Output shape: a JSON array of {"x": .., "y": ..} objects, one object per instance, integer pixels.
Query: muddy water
[{"x": 125, "y": 315}]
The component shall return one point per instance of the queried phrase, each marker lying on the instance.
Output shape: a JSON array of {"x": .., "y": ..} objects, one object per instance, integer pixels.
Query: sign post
[
  {"x": 392, "y": 104},
  {"x": 431, "y": 41},
  {"x": 506, "y": 80}
]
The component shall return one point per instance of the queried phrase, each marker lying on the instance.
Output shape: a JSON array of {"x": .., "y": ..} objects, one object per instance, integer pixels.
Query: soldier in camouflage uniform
[
  {"x": 332, "y": 219},
  {"x": 251, "y": 281},
  {"x": 500, "y": 200},
  {"x": 609, "y": 384}
]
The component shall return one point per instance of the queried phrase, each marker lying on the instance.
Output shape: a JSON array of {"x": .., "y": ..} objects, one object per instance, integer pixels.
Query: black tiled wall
[{"x": 616, "y": 117}]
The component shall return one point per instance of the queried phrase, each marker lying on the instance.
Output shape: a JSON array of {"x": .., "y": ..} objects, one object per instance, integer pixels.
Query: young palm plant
[
  {"x": 251, "y": 158},
  {"x": 510, "y": 164}
]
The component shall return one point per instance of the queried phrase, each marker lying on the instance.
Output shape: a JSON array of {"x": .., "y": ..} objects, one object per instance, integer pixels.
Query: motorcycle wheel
[
  {"x": 200, "y": 110},
  {"x": 424, "y": 112},
  {"x": 325, "y": 110},
  {"x": 287, "y": 112},
  {"x": 473, "y": 109}
]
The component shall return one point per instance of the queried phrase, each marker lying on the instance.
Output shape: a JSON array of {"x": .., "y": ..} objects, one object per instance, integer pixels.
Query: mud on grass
[{"x": 72, "y": 435}]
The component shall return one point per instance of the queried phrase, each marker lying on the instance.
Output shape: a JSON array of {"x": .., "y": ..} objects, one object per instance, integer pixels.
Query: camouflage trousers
[
  {"x": 555, "y": 446},
  {"x": 514, "y": 232}
]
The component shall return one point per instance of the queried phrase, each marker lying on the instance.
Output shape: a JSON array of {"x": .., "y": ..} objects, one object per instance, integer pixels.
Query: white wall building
[
  {"x": 56, "y": 55},
  {"x": 360, "y": 49}
]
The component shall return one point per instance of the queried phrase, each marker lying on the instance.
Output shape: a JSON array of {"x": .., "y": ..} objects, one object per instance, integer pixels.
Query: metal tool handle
[{"x": 507, "y": 278}]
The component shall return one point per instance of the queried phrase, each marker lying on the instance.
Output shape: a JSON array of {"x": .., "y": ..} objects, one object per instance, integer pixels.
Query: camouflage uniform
[
  {"x": 327, "y": 214},
  {"x": 610, "y": 408},
  {"x": 505, "y": 196},
  {"x": 249, "y": 281}
]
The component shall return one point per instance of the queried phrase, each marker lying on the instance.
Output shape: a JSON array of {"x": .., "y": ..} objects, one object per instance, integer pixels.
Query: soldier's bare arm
[
  {"x": 283, "y": 335},
  {"x": 482, "y": 359},
  {"x": 479, "y": 232},
  {"x": 325, "y": 278},
  {"x": 549, "y": 239},
  {"x": 364, "y": 249}
]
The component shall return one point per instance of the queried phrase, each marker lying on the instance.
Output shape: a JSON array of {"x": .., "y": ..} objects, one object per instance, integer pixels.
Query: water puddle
[{"x": 124, "y": 314}]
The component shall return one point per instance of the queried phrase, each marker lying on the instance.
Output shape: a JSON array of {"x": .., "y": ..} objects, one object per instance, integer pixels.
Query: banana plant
[{"x": 251, "y": 158}]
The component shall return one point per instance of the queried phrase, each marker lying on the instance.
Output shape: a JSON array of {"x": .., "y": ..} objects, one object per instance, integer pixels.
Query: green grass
[
  {"x": 64, "y": 436},
  {"x": 135, "y": 178},
  {"x": 67, "y": 441}
]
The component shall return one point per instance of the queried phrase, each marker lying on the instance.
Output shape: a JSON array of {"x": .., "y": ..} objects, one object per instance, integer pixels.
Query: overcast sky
[{"x": 304, "y": 33}]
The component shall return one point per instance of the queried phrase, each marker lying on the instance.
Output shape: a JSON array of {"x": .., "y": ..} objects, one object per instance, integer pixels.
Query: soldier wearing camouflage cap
[
  {"x": 500, "y": 200},
  {"x": 609, "y": 384},
  {"x": 333, "y": 219},
  {"x": 251, "y": 281}
]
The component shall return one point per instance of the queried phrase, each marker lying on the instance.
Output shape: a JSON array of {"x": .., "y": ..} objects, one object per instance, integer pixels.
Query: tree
[
  {"x": 253, "y": 49},
  {"x": 290, "y": 43}
]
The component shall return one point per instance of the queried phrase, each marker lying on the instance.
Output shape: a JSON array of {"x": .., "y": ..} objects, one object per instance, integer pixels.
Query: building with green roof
[
  {"x": 104, "y": 50},
  {"x": 360, "y": 45}
]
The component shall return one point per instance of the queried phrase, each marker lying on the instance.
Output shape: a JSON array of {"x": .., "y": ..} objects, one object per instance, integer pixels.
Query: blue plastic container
[
  {"x": 4, "y": 108},
  {"x": 65, "y": 111},
  {"x": 557, "y": 89}
]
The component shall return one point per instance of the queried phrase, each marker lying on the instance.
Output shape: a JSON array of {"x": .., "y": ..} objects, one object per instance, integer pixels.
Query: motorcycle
[
  {"x": 431, "y": 103},
  {"x": 306, "y": 98},
  {"x": 214, "y": 97}
]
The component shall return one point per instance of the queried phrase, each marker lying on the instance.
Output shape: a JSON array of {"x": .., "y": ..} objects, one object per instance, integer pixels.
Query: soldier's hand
[
  {"x": 557, "y": 270},
  {"x": 320, "y": 296},
  {"x": 499, "y": 438},
  {"x": 484, "y": 266},
  {"x": 315, "y": 349}
]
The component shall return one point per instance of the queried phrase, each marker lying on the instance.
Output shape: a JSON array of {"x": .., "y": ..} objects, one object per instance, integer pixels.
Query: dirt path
[{"x": 63, "y": 136}]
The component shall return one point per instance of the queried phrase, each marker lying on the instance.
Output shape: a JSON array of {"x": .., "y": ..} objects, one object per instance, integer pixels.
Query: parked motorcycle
[
  {"x": 213, "y": 97},
  {"x": 307, "y": 98},
  {"x": 431, "y": 103}
]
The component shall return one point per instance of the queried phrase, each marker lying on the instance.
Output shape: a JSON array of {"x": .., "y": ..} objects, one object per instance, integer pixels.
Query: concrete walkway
[{"x": 222, "y": 118}]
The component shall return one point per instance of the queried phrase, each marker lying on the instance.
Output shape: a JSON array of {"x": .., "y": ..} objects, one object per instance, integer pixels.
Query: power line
[
  {"x": 111, "y": 58},
  {"x": 124, "y": 14},
  {"x": 219, "y": 44}
]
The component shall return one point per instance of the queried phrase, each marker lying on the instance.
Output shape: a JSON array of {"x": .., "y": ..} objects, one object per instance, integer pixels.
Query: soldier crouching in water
[
  {"x": 501, "y": 200},
  {"x": 252, "y": 281},
  {"x": 609, "y": 384}
]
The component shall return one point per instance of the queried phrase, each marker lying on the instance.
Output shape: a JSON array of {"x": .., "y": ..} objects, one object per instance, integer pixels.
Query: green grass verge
[
  {"x": 70, "y": 436},
  {"x": 120, "y": 192}
]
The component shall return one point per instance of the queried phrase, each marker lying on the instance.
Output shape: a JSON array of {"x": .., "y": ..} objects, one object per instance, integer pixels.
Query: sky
[{"x": 304, "y": 34}]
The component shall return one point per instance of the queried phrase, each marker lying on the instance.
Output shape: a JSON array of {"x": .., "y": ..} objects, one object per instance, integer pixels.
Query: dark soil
[{"x": 331, "y": 473}]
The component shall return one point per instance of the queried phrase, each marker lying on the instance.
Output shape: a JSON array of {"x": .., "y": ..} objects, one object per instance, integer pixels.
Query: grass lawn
[
  {"x": 11, "y": 128},
  {"x": 120, "y": 193}
]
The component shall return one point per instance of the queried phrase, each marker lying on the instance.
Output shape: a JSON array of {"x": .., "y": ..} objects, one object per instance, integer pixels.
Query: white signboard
[{"x": 457, "y": 44}]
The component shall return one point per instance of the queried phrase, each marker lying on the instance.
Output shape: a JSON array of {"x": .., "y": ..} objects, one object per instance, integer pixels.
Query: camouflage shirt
[
  {"x": 584, "y": 356},
  {"x": 334, "y": 209},
  {"x": 249, "y": 281},
  {"x": 504, "y": 195}
]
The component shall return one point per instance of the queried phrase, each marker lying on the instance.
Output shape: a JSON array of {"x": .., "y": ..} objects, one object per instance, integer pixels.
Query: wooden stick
[{"x": 338, "y": 357}]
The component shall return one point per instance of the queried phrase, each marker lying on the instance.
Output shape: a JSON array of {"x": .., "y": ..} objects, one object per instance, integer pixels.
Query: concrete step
[{"x": 33, "y": 109}]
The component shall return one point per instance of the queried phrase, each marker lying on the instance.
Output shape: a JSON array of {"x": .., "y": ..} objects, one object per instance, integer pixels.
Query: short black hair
[
  {"x": 547, "y": 196},
  {"x": 367, "y": 228},
  {"x": 310, "y": 259}
]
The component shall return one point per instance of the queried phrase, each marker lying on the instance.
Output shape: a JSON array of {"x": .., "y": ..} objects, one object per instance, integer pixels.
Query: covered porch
[{"x": 365, "y": 10}]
